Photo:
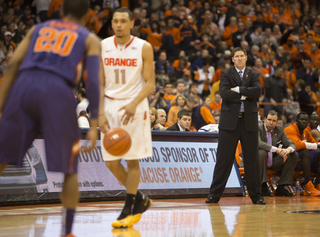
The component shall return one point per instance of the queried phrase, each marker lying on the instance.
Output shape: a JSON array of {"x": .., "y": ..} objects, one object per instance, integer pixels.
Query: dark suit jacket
[
  {"x": 249, "y": 86},
  {"x": 278, "y": 137},
  {"x": 174, "y": 127}
]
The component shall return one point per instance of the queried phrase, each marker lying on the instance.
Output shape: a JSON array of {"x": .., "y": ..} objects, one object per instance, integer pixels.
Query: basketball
[{"x": 117, "y": 142}]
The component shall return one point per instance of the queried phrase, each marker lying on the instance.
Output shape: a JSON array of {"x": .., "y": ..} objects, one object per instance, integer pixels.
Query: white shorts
[{"x": 139, "y": 129}]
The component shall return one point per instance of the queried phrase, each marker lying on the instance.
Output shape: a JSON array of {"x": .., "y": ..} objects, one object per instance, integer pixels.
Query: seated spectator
[
  {"x": 180, "y": 88},
  {"x": 314, "y": 53},
  {"x": 260, "y": 22},
  {"x": 256, "y": 36},
  {"x": 183, "y": 122},
  {"x": 175, "y": 32},
  {"x": 277, "y": 153},
  {"x": 292, "y": 110},
  {"x": 159, "y": 102},
  {"x": 308, "y": 151},
  {"x": 193, "y": 91},
  {"x": 195, "y": 52},
  {"x": 207, "y": 45},
  {"x": 307, "y": 74},
  {"x": 84, "y": 120},
  {"x": 264, "y": 73},
  {"x": 198, "y": 62},
  {"x": 303, "y": 97},
  {"x": 27, "y": 15},
  {"x": 208, "y": 17},
  {"x": 216, "y": 116},
  {"x": 162, "y": 68},
  {"x": 42, "y": 9},
  {"x": 204, "y": 79},
  {"x": 288, "y": 75},
  {"x": 8, "y": 39},
  {"x": 253, "y": 55},
  {"x": 188, "y": 36},
  {"x": 314, "y": 126},
  {"x": 215, "y": 106},
  {"x": 183, "y": 65},
  {"x": 178, "y": 103},
  {"x": 182, "y": 55},
  {"x": 240, "y": 35},
  {"x": 186, "y": 79},
  {"x": 168, "y": 91},
  {"x": 201, "y": 115},
  {"x": 162, "y": 117},
  {"x": 276, "y": 92},
  {"x": 154, "y": 119},
  {"x": 289, "y": 47},
  {"x": 308, "y": 42},
  {"x": 83, "y": 102},
  {"x": 168, "y": 44}
]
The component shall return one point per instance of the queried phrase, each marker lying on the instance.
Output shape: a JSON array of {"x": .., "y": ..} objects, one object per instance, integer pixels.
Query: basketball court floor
[{"x": 233, "y": 216}]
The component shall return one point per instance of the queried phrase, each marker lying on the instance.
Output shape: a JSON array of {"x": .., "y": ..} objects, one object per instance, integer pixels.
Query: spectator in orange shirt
[
  {"x": 314, "y": 53},
  {"x": 162, "y": 118},
  {"x": 193, "y": 92},
  {"x": 54, "y": 9},
  {"x": 182, "y": 55},
  {"x": 97, "y": 20},
  {"x": 307, "y": 44},
  {"x": 301, "y": 33},
  {"x": 288, "y": 75},
  {"x": 264, "y": 73},
  {"x": 316, "y": 33},
  {"x": 292, "y": 11},
  {"x": 289, "y": 47},
  {"x": 215, "y": 106},
  {"x": 244, "y": 14},
  {"x": 174, "y": 31},
  {"x": 153, "y": 33},
  {"x": 285, "y": 18},
  {"x": 168, "y": 91},
  {"x": 178, "y": 103},
  {"x": 264, "y": 52},
  {"x": 230, "y": 29},
  {"x": 308, "y": 151}
]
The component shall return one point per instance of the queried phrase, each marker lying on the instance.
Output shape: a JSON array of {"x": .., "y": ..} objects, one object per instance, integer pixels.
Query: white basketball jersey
[{"x": 122, "y": 67}]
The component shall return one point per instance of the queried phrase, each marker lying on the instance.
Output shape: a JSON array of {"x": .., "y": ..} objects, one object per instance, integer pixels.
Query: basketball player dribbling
[
  {"x": 41, "y": 97},
  {"x": 129, "y": 79}
]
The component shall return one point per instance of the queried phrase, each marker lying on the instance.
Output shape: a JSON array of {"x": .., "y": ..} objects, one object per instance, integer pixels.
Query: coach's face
[
  {"x": 271, "y": 122},
  {"x": 239, "y": 59},
  {"x": 121, "y": 24}
]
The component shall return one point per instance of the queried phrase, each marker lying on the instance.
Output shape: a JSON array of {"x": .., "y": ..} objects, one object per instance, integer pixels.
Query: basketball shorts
[
  {"x": 139, "y": 129},
  {"x": 40, "y": 102},
  {"x": 313, "y": 161}
]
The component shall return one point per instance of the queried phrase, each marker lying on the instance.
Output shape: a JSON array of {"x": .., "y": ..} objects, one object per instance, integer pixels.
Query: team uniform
[
  {"x": 124, "y": 81},
  {"x": 42, "y": 98}
]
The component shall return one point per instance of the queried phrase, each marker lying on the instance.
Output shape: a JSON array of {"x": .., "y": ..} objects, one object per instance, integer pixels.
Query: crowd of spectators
[{"x": 192, "y": 42}]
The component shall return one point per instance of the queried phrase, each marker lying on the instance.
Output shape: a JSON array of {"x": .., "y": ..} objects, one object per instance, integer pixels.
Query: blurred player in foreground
[{"x": 48, "y": 61}]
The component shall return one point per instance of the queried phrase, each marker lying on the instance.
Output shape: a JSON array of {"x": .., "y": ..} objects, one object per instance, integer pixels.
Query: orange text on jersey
[{"x": 120, "y": 62}]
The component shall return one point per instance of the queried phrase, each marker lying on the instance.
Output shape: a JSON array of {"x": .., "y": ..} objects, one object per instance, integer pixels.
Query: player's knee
[{"x": 133, "y": 164}]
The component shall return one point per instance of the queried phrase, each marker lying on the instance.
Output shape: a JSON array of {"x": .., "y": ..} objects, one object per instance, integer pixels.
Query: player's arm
[
  {"x": 149, "y": 78},
  {"x": 13, "y": 65},
  {"x": 93, "y": 67}
]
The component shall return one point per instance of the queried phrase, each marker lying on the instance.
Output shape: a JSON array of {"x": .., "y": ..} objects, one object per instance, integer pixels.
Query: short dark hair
[
  {"x": 77, "y": 8},
  {"x": 82, "y": 92},
  {"x": 167, "y": 83},
  {"x": 193, "y": 84},
  {"x": 124, "y": 9},
  {"x": 184, "y": 112},
  {"x": 272, "y": 113},
  {"x": 302, "y": 113},
  {"x": 236, "y": 49}
]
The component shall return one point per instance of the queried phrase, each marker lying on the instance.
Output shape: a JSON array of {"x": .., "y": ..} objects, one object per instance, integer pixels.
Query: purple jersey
[{"x": 57, "y": 46}]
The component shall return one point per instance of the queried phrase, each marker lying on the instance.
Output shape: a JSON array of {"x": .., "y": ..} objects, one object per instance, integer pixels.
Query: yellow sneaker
[
  {"x": 123, "y": 221},
  {"x": 310, "y": 190},
  {"x": 125, "y": 233},
  {"x": 140, "y": 208}
]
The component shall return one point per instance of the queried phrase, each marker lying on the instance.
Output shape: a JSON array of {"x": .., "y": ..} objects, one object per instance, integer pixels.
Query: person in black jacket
[
  {"x": 239, "y": 89},
  {"x": 168, "y": 44},
  {"x": 303, "y": 97},
  {"x": 183, "y": 123}
]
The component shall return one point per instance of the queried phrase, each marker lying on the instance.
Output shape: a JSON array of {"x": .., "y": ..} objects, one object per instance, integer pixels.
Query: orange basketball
[{"x": 117, "y": 142}]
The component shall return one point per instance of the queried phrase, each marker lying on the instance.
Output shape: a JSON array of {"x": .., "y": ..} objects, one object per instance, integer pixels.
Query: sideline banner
[{"x": 173, "y": 166}]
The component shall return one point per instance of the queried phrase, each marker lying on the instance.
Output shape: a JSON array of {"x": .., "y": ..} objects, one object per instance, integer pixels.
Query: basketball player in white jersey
[{"x": 129, "y": 79}]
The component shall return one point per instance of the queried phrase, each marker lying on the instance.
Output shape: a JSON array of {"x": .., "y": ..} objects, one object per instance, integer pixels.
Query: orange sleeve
[
  {"x": 294, "y": 137},
  {"x": 172, "y": 115},
  {"x": 206, "y": 115}
]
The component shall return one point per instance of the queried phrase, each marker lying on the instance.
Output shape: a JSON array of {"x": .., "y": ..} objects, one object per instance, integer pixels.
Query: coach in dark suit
[
  {"x": 276, "y": 152},
  {"x": 239, "y": 88},
  {"x": 183, "y": 123}
]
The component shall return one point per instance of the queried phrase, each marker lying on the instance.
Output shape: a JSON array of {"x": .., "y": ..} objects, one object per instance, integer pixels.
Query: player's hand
[
  {"x": 129, "y": 112},
  {"x": 103, "y": 123},
  {"x": 92, "y": 136}
]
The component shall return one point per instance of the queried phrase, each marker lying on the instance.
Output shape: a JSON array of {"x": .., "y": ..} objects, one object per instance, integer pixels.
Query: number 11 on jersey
[{"x": 123, "y": 76}]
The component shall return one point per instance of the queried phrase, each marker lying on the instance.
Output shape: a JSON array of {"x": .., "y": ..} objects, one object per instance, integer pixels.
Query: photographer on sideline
[{"x": 159, "y": 102}]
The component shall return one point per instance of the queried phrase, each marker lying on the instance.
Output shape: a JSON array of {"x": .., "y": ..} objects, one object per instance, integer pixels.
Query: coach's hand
[
  {"x": 103, "y": 123},
  {"x": 129, "y": 112}
]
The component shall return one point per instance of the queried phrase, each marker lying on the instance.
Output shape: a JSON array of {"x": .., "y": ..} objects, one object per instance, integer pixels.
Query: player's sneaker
[
  {"x": 310, "y": 190},
  {"x": 70, "y": 235},
  {"x": 123, "y": 221},
  {"x": 318, "y": 187},
  {"x": 125, "y": 233},
  {"x": 140, "y": 208}
]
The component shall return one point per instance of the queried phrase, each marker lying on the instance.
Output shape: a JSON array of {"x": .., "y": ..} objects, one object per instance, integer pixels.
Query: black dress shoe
[
  {"x": 265, "y": 191},
  {"x": 212, "y": 200},
  {"x": 281, "y": 191},
  {"x": 260, "y": 201}
]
